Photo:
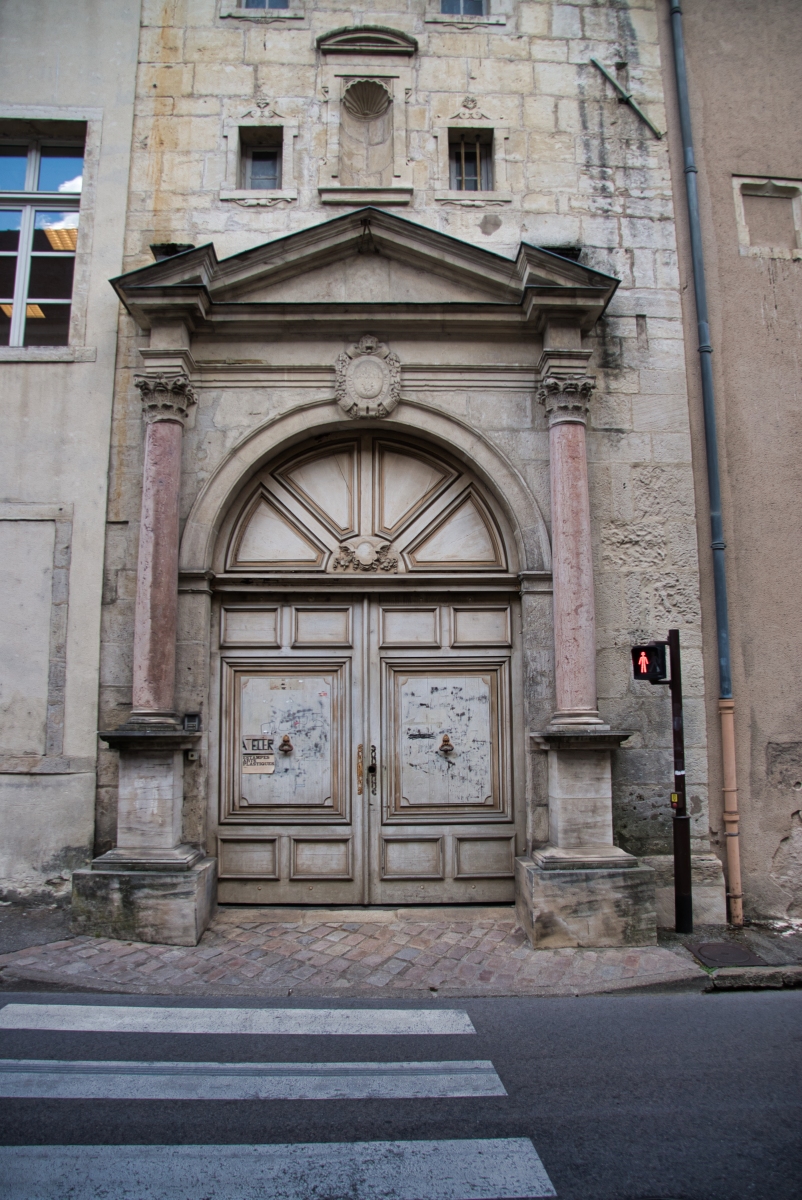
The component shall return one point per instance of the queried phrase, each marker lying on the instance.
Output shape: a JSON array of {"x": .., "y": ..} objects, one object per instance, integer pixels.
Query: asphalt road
[{"x": 687, "y": 1096}]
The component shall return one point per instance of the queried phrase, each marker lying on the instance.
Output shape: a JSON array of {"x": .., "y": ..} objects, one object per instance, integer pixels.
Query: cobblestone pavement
[{"x": 267, "y": 952}]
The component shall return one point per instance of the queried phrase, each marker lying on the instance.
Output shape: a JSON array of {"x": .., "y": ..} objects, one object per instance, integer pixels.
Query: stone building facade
[{"x": 402, "y": 409}]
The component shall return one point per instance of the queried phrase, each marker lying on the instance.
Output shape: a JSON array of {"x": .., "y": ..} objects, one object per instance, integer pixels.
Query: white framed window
[
  {"x": 470, "y": 160},
  {"x": 463, "y": 8},
  {"x": 40, "y": 192}
]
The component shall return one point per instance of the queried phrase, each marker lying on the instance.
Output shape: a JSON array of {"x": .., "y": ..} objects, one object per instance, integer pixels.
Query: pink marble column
[
  {"x": 165, "y": 402},
  {"x": 566, "y": 398}
]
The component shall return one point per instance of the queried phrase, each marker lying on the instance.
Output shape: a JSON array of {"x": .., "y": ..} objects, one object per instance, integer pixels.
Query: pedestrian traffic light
[{"x": 649, "y": 662}]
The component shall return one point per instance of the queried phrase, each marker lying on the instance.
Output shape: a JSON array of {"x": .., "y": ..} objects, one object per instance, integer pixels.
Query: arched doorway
[{"x": 366, "y": 681}]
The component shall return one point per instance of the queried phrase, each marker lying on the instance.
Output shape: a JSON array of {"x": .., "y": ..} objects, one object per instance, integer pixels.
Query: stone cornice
[{"x": 165, "y": 397}]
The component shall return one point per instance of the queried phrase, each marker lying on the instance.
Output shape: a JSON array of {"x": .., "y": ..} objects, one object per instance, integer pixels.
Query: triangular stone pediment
[
  {"x": 373, "y": 277},
  {"x": 371, "y": 258}
]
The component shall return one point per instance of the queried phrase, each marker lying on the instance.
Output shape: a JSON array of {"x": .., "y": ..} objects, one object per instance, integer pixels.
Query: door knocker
[
  {"x": 286, "y": 746},
  {"x": 446, "y": 746}
]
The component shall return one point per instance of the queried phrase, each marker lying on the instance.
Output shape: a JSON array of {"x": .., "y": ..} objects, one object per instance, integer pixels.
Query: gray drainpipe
[{"x": 726, "y": 704}]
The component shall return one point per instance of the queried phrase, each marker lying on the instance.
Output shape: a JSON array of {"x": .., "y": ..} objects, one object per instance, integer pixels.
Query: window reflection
[
  {"x": 61, "y": 169},
  {"x": 13, "y": 168}
]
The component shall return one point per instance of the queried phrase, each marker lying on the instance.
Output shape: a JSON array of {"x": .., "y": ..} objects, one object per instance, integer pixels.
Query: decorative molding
[
  {"x": 359, "y": 196},
  {"x": 366, "y": 554},
  {"x": 367, "y": 39},
  {"x": 566, "y": 396},
  {"x": 367, "y": 98},
  {"x": 368, "y": 379},
  {"x": 165, "y": 397},
  {"x": 470, "y": 111},
  {"x": 257, "y": 199}
]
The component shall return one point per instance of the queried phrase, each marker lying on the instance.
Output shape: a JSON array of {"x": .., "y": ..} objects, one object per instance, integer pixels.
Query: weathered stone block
[
  {"x": 585, "y": 908},
  {"x": 707, "y": 884},
  {"x": 169, "y": 907}
]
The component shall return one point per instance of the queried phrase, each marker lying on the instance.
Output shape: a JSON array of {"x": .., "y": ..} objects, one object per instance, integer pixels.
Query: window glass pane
[
  {"x": 56, "y": 231},
  {"x": 265, "y": 169},
  {"x": 253, "y": 3},
  {"x": 5, "y": 323},
  {"x": 47, "y": 324},
  {"x": 8, "y": 271},
  {"x": 51, "y": 277},
  {"x": 450, "y": 6},
  {"x": 61, "y": 169},
  {"x": 9, "y": 229},
  {"x": 13, "y": 166},
  {"x": 472, "y": 8}
]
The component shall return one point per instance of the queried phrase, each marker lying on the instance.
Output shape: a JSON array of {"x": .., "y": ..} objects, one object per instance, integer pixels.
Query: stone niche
[{"x": 366, "y": 134}]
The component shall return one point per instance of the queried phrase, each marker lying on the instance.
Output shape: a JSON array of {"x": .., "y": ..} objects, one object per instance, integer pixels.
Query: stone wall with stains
[
  {"x": 581, "y": 174},
  {"x": 746, "y": 57}
]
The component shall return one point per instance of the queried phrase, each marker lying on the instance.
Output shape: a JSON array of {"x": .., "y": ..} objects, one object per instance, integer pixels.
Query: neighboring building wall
[
  {"x": 743, "y": 68},
  {"x": 73, "y": 65},
  {"x": 573, "y": 168}
]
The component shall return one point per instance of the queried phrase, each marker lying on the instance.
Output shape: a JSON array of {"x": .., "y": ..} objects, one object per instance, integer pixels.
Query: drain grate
[{"x": 725, "y": 954}]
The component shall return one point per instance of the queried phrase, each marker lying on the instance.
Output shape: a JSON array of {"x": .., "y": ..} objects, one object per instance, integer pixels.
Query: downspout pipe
[{"x": 726, "y": 702}]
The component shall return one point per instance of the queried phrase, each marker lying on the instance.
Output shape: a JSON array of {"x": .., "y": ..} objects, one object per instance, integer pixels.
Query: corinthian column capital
[
  {"x": 166, "y": 396},
  {"x": 566, "y": 397}
]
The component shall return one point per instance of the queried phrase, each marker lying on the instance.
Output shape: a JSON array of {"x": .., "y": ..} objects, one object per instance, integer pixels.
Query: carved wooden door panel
[
  {"x": 442, "y": 822},
  {"x": 291, "y": 827}
]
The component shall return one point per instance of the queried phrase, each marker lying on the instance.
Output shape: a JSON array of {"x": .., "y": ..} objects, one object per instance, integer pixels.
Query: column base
[
  {"x": 596, "y": 896},
  {"x": 171, "y": 907}
]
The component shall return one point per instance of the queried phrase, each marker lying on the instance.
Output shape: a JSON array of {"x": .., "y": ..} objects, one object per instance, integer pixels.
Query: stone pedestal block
[
  {"x": 170, "y": 907},
  {"x": 707, "y": 883},
  {"x": 585, "y": 906}
]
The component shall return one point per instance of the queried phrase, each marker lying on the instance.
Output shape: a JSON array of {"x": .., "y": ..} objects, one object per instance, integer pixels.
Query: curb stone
[{"x": 731, "y": 979}]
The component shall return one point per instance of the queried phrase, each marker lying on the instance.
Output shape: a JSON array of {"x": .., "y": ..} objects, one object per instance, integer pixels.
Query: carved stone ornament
[
  {"x": 165, "y": 397},
  {"x": 366, "y": 554},
  {"x": 469, "y": 110},
  {"x": 566, "y": 395},
  {"x": 368, "y": 379}
]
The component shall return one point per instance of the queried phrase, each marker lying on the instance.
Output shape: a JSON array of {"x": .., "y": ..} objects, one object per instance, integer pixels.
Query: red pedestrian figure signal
[{"x": 649, "y": 662}]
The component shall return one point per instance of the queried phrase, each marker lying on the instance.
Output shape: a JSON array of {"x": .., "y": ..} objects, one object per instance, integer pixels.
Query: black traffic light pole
[{"x": 681, "y": 823}]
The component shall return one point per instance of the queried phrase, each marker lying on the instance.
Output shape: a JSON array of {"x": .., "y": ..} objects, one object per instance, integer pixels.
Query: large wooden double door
[
  {"x": 366, "y": 709},
  {"x": 368, "y": 757}
]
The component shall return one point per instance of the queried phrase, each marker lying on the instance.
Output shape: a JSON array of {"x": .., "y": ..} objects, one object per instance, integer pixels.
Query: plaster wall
[
  {"x": 54, "y": 453},
  {"x": 580, "y": 171},
  {"x": 744, "y": 59}
]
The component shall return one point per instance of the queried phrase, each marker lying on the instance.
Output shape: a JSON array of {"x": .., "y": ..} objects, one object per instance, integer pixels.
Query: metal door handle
[{"x": 372, "y": 770}]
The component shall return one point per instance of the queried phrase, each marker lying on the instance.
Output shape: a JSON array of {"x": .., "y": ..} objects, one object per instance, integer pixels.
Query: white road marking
[
  {"x": 67, "y": 1080},
  {"x": 113, "y": 1018},
  {"x": 480, "y": 1169}
]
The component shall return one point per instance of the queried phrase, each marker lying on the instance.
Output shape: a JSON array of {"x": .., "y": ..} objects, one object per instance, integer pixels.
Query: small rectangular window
[
  {"x": 40, "y": 187},
  {"x": 260, "y": 151},
  {"x": 471, "y": 160},
  {"x": 265, "y": 3},
  {"x": 463, "y": 8}
]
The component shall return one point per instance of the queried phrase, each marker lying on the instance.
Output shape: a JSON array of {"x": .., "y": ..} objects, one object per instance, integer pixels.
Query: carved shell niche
[{"x": 367, "y": 99}]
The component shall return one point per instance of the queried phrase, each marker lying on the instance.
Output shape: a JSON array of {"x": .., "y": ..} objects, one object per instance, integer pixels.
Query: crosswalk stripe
[
  {"x": 114, "y": 1018},
  {"x": 470, "y": 1169},
  {"x": 68, "y": 1080}
]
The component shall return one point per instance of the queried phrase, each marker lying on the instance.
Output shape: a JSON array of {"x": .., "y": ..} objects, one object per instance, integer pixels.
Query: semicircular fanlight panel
[
  {"x": 327, "y": 483},
  {"x": 371, "y": 504},
  {"x": 464, "y": 538},
  {"x": 268, "y": 537}
]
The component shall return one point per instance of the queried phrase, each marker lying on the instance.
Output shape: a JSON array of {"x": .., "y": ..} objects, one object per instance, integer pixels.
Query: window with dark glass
[
  {"x": 40, "y": 189},
  {"x": 463, "y": 8},
  {"x": 265, "y": 3},
  {"x": 471, "y": 160},
  {"x": 260, "y": 152}
]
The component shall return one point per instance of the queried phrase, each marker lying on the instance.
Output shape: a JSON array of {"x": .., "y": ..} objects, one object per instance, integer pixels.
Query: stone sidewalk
[{"x": 367, "y": 953}]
